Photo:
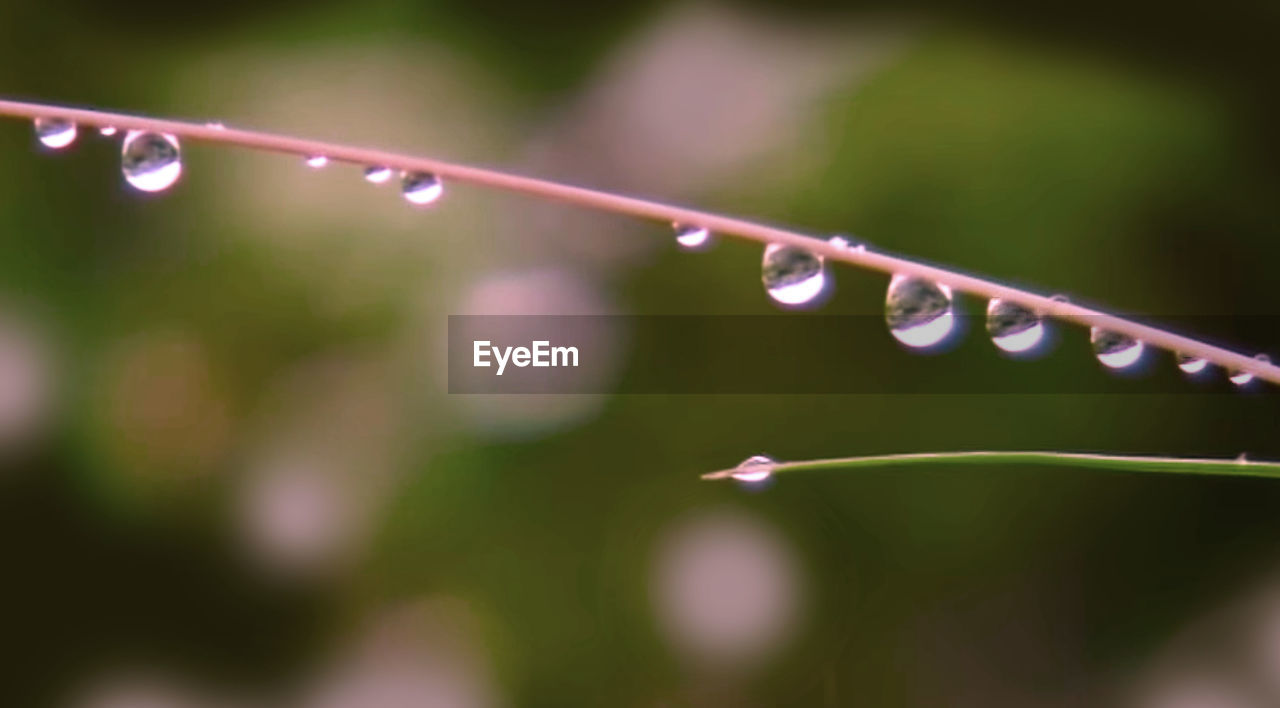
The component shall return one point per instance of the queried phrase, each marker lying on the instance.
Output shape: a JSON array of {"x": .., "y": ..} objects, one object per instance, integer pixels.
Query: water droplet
[
  {"x": 918, "y": 311},
  {"x": 55, "y": 132},
  {"x": 845, "y": 244},
  {"x": 1115, "y": 350},
  {"x": 1192, "y": 364},
  {"x": 792, "y": 276},
  {"x": 839, "y": 242},
  {"x": 377, "y": 174},
  {"x": 216, "y": 125},
  {"x": 756, "y": 468},
  {"x": 317, "y": 161},
  {"x": 690, "y": 236},
  {"x": 1240, "y": 377},
  {"x": 421, "y": 188},
  {"x": 1242, "y": 458},
  {"x": 1059, "y": 297},
  {"x": 1013, "y": 327},
  {"x": 150, "y": 161},
  {"x": 107, "y": 131}
]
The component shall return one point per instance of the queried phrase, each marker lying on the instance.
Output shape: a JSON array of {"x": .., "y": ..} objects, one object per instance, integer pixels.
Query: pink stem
[{"x": 606, "y": 201}]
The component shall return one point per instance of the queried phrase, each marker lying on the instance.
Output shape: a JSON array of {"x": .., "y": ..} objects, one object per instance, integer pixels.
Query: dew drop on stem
[
  {"x": 1113, "y": 349},
  {"x": 315, "y": 162},
  {"x": 792, "y": 276},
  {"x": 756, "y": 468},
  {"x": 1012, "y": 327},
  {"x": 918, "y": 311},
  {"x": 1192, "y": 364},
  {"x": 845, "y": 244},
  {"x": 55, "y": 133},
  {"x": 151, "y": 162},
  {"x": 1240, "y": 377},
  {"x": 690, "y": 236},
  {"x": 377, "y": 174},
  {"x": 421, "y": 188},
  {"x": 107, "y": 131}
]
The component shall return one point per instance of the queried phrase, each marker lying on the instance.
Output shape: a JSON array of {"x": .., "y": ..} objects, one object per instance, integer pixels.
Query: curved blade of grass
[
  {"x": 1239, "y": 467},
  {"x": 648, "y": 209}
]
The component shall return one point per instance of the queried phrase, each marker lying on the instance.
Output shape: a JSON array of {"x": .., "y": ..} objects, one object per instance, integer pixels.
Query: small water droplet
[
  {"x": 1012, "y": 327},
  {"x": 421, "y": 188},
  {"x": 1059, "y": 297},
  {"x": 792, "y": 276},
  {"x": 216, "y": 125},
  {"x": 691, "y": 236},
  {"x": 55, "y": 132},
  {"x": 1240, "y": 377},
  {"x": 918, "y": 311},
  {"x": 107, "y": 131},
  {"x": 1192, "y": 364},
  {"x": 377, "y": 174},
  {"x": 756, "y": 468},
  {"x": 845, "y": 244},
  {"x": 1115, "y": 350},
  {"x": 316, "y": 161},
  {"x": 150, "y": 161}
]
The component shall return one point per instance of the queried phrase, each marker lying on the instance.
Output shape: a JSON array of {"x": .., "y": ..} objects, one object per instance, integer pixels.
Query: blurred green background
[{"x": 232, "y": 475}]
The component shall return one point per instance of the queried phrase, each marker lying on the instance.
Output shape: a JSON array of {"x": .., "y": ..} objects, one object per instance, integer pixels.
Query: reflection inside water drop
[
  {"x": 1115, "y": 350},
  {"x": 918, "y": 311},
  {"x": 377, "y": 174},
  {"x": 792, "y": 276},
  {"x": 55, "y": 132},
  {"x": 1192, "y": 364},
  {"x": 1012, "y": 327},
  {"x": 150, "y": 161},
  {"x": 690, "y": 236},
  {"x": 756, "y": 468},
  {"x": 421, "y": 188}
]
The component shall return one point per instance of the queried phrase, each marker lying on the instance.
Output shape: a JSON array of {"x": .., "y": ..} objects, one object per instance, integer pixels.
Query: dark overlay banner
[{"x": 820, "y": 354}]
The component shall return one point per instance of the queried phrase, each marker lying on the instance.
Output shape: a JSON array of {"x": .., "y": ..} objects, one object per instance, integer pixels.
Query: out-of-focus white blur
[
  {"x": 426, "y": 655},
  {"x": 26, "y": 378},
  {"x": 726, "y": 588}
]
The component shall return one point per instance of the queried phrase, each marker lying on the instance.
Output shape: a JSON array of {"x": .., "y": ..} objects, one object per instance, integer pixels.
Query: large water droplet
[
  {"x": 55, "y": 132},
  {"x": 316, "y": 161},
  {"x": 1192, "y": 364},
  {"x": 377, "y": 174},
  {"x": 150, "y": 161},
  {"x": 690, "y": 236},
  {"x": 1240, "y": 377},
  {"x": 1013, "y": 327},
  {"x": 421, "y": 188},
  {"x": 792, "y": 276},
  {"x": 918, "y": 311},
  {"x": 1115, "y": 350},
  {"x": 756, "y": 468}
]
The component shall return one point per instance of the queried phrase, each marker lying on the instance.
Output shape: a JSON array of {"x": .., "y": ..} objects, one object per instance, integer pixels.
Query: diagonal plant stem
[
  {"x": 606, "y": 201},
  {"x": 1239, "y": 467}
]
